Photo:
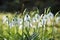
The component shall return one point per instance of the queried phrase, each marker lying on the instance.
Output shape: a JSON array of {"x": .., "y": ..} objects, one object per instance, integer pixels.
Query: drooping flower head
[
  {"x": 34, "y": 19},
  {"x": 57, "y": 20},
  {"x": 11, "y": 24},
  {"x": 5, "y": 19},
  {"x": 19, "y": 21},
  {"x": 27, "y": 17},
  {"x": 37, "y": 16},
  {"x": 50, "y": 15},
  {"x": 45, "y": 17},
  {"x": 44, "y": 21}
]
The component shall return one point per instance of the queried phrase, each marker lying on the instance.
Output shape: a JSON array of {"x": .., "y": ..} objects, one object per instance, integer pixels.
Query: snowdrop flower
[
  {"x": 49, "y": 22},
  {"x": 44, "y": 21},
  {"x": 45, "y": 17},
  {"x": 50, "y": 15},
  {"x": 5, "y": 19},
  {"x": 27, "y": 17},
  {"x": 26, "y": 20},
  {"x": 20, "y": 20},
  {"x": 34, "y": 19},
  {"x": 11, "y": 24},
  {"x": 37, "y": 16},
  {"x": 57, "y": 20},
  {"x": 15, "y": 20}
]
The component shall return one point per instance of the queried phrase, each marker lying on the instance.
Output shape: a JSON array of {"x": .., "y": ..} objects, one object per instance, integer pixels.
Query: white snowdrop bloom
[
  {"x": 57, "y": 20},
  {"x": 27, "y": 17},
  {"x": 44, "y": 21},
  {"x": 50, "y": 15},
  {"x": 49, "y": 22},
  {"x": 11, "y": 24},
  {"x": 45, "y": 17},
  {"x": 37, "y": 16},
  {"x": 19, "y": 21},
  {"x": 15, "y": 20},
  {"x": 33, "y": 19},
  {"x": 5, "y": 19}
]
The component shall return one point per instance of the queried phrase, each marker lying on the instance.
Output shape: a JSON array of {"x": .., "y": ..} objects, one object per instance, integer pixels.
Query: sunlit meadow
[{"x": 30, "y": 25}]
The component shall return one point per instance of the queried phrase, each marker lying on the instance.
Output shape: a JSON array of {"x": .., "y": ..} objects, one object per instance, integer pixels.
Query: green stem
[
  {"x": 23, "y": 30},
  {"x": 42, "y": 32}
]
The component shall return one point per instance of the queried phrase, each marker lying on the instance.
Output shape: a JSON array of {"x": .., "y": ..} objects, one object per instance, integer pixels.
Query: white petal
[
  {"x": 57, "y": 19},
  {"x": 50, "y": 15}
]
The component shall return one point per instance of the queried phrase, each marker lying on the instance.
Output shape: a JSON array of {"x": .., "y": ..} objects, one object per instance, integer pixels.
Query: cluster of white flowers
[{"x": 28, "y": 21}]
